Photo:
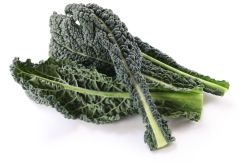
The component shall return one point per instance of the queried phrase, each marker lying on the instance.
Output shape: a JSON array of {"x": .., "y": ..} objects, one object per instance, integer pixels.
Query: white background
[{"x": 202, "y": 35}]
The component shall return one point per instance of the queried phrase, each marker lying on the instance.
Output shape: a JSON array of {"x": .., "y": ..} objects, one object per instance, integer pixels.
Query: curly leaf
[
  {"x": 125, "y": 55},
  {"x": 73, "y": 90},
  {"x": 68, "y": 41},
  {"x": 157, "y": 57},
  {"x": 79, "y": 92},
  {"x": 64, "y": 42}
]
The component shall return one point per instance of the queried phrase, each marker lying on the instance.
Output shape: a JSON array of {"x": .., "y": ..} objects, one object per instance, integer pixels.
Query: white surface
[{"x": 203, "y": 36}]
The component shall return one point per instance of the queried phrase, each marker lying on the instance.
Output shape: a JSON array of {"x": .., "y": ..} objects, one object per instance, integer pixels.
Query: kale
[
  {"x": 85, "y": 49},
  {"x": 84, "y": 93},
  {"x": 210, "y": 85},
  {"x": 98, "y": 72},
  {"x": 126, "y": 58},
  {"x": 70, "y": 41}
]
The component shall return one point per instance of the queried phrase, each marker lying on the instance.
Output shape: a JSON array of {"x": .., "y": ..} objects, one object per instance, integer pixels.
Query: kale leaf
[
  {"x": 84, "y": 48},
  {"x": 210, "y": 85},
  {"x": 98, "y": 72},
  {"x": 127, "y": 60},
  {"x": 84, "y": 93},
  {"x": 69, "y": 41}
]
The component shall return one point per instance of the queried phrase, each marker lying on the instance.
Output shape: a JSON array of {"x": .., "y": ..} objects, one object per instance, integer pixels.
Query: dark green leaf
[{"x": 83, "y": 93}]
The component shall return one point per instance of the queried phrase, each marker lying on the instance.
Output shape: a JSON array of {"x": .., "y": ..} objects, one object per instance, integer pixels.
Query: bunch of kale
[{"x": 98, "y": 72}]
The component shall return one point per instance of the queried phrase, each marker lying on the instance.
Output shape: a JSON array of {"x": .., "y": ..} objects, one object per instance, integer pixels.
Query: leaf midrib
[
  {"x": 79, "y": 89},
  {"x": 146, "y": 56},
  {"x": 155, "y": 95},
  {"x": 210, "y": 84},
  {"x": 159, "y": 137},
  {"x": 145, "y": 75}
]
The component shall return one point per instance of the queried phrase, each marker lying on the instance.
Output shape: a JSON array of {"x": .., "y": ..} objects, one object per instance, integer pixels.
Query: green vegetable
[
  {"x": 65, "y": 45},
  {"x": 86, "y": 47},
  {"x": 69, "y": 41},
  {"x": 98, "y": 72},
  {"x": 102, "y": 40},
  {"x": 210, "y": 85},
  {"x": 86, "y": 94},
  {"x": 126, "y": 58}
]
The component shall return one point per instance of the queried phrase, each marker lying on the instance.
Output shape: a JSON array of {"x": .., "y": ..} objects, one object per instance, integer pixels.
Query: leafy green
[
  {"x": 84, "y": 93},
  {"x": 84, "y": 48},
  {"x": 69, "y": 41},
  {"x": 98, "y": 72},
  {"x": 126, "y": 58},
  {"x": 157, "y": 57}
]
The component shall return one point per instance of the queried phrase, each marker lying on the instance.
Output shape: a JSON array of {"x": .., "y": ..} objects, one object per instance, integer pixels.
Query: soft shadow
[
  {"x": 180, "y": 123},
  {"x": 131, "y": 124},
  {"x": 53, "y": 123},
  {"x": 168, "y": 149},
  {"x": 208, "y": 98}
]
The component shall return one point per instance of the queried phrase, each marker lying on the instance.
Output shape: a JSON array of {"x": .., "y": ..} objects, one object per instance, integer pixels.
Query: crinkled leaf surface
[
  {"x": 126, "y": 57},
  {"x": 210, "y": 85},
  {"x": 64, "y": 42},
  {"x": 83, "y": 93},
  {"x": 69, "y": 41}
]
